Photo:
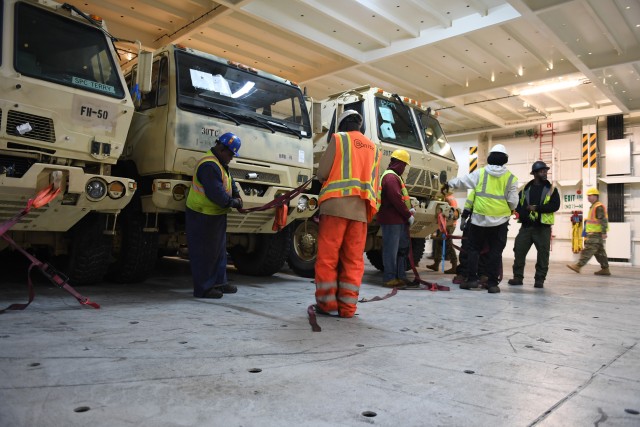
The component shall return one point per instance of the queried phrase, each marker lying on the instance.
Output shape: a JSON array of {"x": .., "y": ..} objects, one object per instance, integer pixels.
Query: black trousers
[
  {"x": 496, "y": 238},
  {"x": 207, "y": 240}
]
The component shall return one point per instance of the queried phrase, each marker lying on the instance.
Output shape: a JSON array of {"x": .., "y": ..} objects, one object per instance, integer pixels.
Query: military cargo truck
[
  {"x": 196, "y": 97},
  {"x": 391, "y": 122},
  {"x": 64, "y": 107}
]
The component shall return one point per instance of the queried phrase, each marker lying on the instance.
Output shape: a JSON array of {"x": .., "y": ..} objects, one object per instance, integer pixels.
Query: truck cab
[
  {"x": 64, "y": 107},
  {"x": 196, "y": 97}
]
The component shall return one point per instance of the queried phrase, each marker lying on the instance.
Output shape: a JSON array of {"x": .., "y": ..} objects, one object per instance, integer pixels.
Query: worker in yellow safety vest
[
  {"x": 539, "y": 199},
  {"x": 596, "y": 226},
  {"x": 496, "y": 196},
  {"x": 212, "y": 195},
  {"x": 395, "y": 216}
]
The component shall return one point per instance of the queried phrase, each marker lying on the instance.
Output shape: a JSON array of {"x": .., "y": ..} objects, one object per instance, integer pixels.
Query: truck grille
[
  {"x": 42, "y": 127},
  {"x": 262, "y": 176},
  {"x": 15, "y": 167},
  {"x": 420, "y": 183}
]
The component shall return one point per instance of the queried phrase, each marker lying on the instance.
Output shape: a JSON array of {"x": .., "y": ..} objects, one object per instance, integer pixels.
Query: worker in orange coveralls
[{"x": 349, "y": 173}]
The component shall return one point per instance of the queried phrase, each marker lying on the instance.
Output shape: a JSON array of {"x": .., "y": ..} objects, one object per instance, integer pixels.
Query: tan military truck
[
  {"x": 64, "y": 107},
  {"x": 392, "y": 122},
  {"x": 196, "y": 97}
]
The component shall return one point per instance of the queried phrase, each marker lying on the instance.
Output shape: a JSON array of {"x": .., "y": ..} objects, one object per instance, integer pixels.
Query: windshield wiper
[
  {"x": 282, "y": 125},
  {"x": 257, "y": 121},
  {"x": 223, "y": 114}
]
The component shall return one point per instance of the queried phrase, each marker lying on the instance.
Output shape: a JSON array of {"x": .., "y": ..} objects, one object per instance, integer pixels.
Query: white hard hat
[
  {"x": 346, "y": 114},
  {"x": 498, "y": 148}
]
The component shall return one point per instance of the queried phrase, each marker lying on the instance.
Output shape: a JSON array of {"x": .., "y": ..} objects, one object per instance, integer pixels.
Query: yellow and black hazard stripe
[
  {"x": 473, "y": 158},
  {"x": 592, "y": 150},
  {"x": 585, "y": 150}
]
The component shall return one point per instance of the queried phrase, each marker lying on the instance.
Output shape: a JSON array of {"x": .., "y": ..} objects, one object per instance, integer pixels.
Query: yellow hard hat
[
  {"x": 401, "y": 155},
  {"x": 593, "y": 192}
]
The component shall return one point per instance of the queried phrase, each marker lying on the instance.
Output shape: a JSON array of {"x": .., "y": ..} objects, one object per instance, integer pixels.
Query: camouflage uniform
[{"x": 594, "y": 243}]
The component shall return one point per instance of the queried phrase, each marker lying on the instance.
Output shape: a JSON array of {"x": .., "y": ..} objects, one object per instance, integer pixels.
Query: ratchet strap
[
  {"x": 57, "y": 278},
  {"x": 281, "y": 204}
]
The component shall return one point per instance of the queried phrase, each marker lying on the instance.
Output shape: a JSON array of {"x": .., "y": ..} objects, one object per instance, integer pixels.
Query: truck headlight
[
  {"x": 303, "y": 203},
  {"x": 116, "y": 190},
  {"x": 179, "y": 192},
  {"x": 96, "y": 189}
]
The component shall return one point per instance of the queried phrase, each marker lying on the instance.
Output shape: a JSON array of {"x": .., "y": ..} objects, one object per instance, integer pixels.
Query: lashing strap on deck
[{"x": 57, "y": 278}]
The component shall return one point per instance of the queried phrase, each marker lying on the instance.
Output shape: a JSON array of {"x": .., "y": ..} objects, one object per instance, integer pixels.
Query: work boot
[
  {"x": 470, "y": 284},
  {"x": 393, "y": 283},
  {"x": 213, "y": 293},
  {"x": 493, "y": 289},
  {"x": 458, "y": 280},
  {"x": 454, "y": 266},
  {"x": 575, "y": 267},
  {"x": 539, "y": 283},
  {"x": 228, "y": 289},
  {"x": 516, "y": 281},
  {"x": 603, "y": 272},
  {"x": 433, "y": 266}
]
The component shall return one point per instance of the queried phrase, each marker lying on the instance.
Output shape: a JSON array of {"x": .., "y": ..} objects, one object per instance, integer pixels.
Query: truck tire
[
  {"x": 304, "y": 248},
  {"x": 375, "y": 258},
  {"x": 89, "y": 251},
  {"x": 417, "y": 247},
  {"x": 137, "y": 251},
  {"x": 269, "y": 256}
]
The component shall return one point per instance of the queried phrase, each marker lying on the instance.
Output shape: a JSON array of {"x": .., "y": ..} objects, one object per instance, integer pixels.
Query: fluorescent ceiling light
[{"x": 550, "y": 87}]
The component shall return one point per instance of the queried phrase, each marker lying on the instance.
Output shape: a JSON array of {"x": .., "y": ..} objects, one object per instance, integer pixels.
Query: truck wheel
[
  {"x": 136, "y": 251},
  {"x": 417, "y": 246},
  {"x": 269, "y": 256},
  {"x": 89, "y": 251},
  {"x": 375, "y": 258},
  {"x": 304, "y": 248}
]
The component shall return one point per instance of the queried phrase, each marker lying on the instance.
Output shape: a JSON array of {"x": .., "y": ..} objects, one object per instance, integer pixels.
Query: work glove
[
  {"x": 463, "y": 223},
  {"x": 411, "y": 220},
  {"x": 465, "y": 214},
  {"x": 412, "y": 211},
  {"x": 236, "y": 203}
]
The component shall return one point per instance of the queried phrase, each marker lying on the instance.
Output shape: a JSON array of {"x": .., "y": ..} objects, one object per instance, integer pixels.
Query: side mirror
[{"x": 143, "y": 76}]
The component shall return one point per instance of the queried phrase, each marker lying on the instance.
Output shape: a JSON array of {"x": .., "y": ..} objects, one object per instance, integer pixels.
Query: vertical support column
[
  {"x": 589, "y": 157},
  {"x": 473, "y": 158}
]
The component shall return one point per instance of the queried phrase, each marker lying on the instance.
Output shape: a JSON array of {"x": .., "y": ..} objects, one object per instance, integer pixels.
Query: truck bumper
[
  {"x": 171, "y": 196},
  {"x": 70, "y": 206}
]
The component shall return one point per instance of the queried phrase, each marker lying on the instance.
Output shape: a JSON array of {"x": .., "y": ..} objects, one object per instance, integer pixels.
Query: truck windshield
[
  {"x": 239, "y": 95},
  {"x": 434, "y": 138},
  {"x": 61, "y": 50},
  {"x": 394, "y": 124}
]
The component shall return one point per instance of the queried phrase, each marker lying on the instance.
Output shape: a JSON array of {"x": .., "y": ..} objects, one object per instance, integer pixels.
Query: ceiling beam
[
  {"x": 405, "y": 26},
  {"x": 346, "y": 21},
  {"x": 431, "y": 9},
  {"x": 496, "y": 16},
  {"x": 530, "y": 47},
  {"x": 563, "y": 48},
  {"x": 479, "y": 7},
  {"x": 602, "y": 27}
]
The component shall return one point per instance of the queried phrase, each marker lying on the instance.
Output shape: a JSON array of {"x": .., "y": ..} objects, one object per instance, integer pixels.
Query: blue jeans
[{"x": 395, "y": 248}]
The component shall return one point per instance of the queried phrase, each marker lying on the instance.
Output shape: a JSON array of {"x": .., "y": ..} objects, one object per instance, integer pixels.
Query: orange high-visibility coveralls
[{"x": 341, "y": 239}]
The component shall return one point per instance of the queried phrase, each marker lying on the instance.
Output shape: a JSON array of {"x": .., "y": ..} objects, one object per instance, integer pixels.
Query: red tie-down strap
[
  {"x": 42, "y": 198},
  {"x": 423, "y": 284},
  {"x": 281, "y": 204}
]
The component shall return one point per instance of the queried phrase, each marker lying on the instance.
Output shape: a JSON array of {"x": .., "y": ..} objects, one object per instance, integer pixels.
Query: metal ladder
[{"x": 546, "y": 147}]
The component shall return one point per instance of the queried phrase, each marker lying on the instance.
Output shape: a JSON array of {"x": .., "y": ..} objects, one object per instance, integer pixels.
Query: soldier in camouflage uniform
[{"x": 595, "y": 232}]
